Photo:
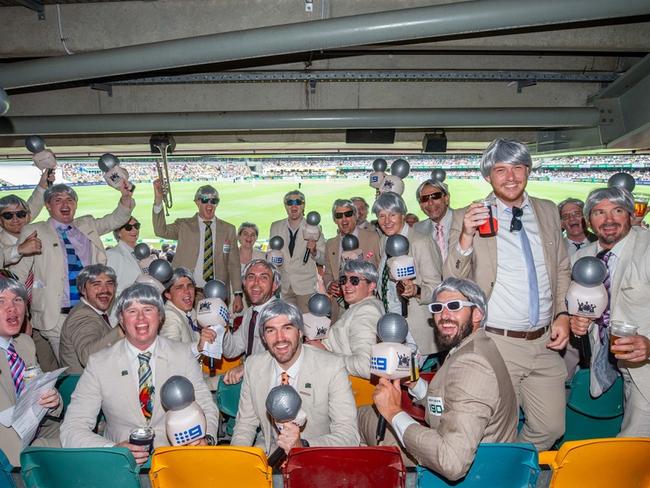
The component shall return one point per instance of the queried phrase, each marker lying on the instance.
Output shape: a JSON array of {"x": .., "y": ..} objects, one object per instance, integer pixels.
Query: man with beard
[
  {"x": 362, "y": 214},
  {"x": 470, "y": 399},
  {"x": 261, "y": 280},
  {"x": 87, "y": 329},
  {"x": 319, "y": 377},
  {"x": 524, "y": 271},
  {"x": 207, "y": 245},
  {"x": 299, "y": 279},
  {"x": 344, "y": 213},
  {"x": 624, "y": 250}
]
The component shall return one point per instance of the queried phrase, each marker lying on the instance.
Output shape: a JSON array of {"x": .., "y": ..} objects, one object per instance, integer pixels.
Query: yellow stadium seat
[
  {"x": 363, "y": 390},
  {"x": 223, "y": 365},
  {"x": 600, "y": 463},
  {"x": 185, "y": 466}
]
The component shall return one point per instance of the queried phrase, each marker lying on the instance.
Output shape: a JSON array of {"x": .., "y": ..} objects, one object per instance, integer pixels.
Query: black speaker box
[
  {"x": 370, "y": 136},
  {"x": 434, "y": 143}
]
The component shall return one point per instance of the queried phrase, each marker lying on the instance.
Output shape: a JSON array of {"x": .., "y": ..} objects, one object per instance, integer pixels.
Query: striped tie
[
  {"x": 146, "y": 385},
  {"x": 208, "y": 258},
  {"x": 17, "y": 368},
  {"x": 29, "y": 285},
  {"x": 74, "y": 266}
]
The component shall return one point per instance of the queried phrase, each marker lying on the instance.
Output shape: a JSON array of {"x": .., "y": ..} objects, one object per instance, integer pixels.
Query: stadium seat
[
  {"x": 495, "y": 466},
  {"x": 362, "y": 390},
  {"x": 66, "y": 385},
  {"x": 227, "y": 400},
  {"x": 98, "y": 467},
  {"x": 187, "y": 466},
  {"x": 344, "y": 467},
  {"x": 223, "y": 365},
  {"x": 599, "y": 463},
  {"x": 6, "y": 480},
  {"x": 592, "y": 418}
]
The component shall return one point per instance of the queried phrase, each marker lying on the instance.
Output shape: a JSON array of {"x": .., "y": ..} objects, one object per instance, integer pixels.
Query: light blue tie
[{"x": 531, "y": 273}]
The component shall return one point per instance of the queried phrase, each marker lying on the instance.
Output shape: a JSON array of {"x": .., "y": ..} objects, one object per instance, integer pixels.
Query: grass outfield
[{"x": 261, "y": 202}]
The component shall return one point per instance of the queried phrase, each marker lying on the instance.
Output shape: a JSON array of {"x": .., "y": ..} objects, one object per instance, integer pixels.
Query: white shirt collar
[
  {"x": 134, "y": 351},
  {"x": 4, "y": 342}
]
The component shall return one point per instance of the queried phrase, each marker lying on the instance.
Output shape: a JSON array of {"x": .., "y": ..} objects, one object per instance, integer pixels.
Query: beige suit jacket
[
  {"x": 299, "y": 276},
  {"x": 428, "y": 269},
  {"x": 186, "y": 232},
  {"x": 629, "y": 297},
  {"x": 50, "y": 268},
  {"x": 10, "y": 442},
  {"x": 478, "y": 403},
  {"x": 353, "y": 335},
  {"x": 481, "y": 265},
  {"x": 108, "y": 385},
  {"x": 326, "y": 394},
  {"x": 9, "y": 243},
  {"x": 84, "y": 332},
  {"x": 176, "y": 327}
]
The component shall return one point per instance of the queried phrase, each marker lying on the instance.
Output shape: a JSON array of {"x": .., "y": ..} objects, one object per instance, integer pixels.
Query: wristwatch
[{"x": 210, "y": 440}]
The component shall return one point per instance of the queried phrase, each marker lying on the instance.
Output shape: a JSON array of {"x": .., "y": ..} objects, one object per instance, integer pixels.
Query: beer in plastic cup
[
  {"x": 618, "y": 329},
  {"x": 142, "y": 436},
  {"x": 640, "y": 204},
  {"x": 490, "y": 227}
]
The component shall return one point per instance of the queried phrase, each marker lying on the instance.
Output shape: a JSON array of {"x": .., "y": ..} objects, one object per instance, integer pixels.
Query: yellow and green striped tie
[{"x": 208, "y": 257}]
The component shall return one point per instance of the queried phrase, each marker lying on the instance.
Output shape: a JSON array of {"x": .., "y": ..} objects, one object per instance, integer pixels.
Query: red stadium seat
[{"x": 344, "y": 467}]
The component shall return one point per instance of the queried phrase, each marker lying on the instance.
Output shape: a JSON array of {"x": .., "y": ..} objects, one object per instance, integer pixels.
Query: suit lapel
[
  {"x": 6, "y": 382},
  {"x": 622, "y": 264},
  {"x": 262, "y": 381},
  {"x": 129, "y": 385}
]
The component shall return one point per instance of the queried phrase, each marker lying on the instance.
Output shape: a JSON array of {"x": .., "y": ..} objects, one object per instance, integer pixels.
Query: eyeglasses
[
  {"x": 354, "y": 280},
  {"x": 431, "y": 196},
  {"x": 515, "y": 223},
  {"x": 572, "y": 215},
  {"x": 129, "y": 227},
  {"x": 210, "y": 200},
  {"x": 21, "y": 214},
  {"x": 452, "y": 306},
  {"x": 293, "y": 202},
  {"x": 340, "y": 215}
]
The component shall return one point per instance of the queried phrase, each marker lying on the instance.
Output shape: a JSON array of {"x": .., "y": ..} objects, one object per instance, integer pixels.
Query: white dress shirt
[{"x": 508, "y": 302}]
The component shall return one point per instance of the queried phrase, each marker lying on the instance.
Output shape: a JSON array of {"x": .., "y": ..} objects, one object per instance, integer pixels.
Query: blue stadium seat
[
  {"x": 98, "y": 467},
  {"x": 227, "y": 400},
  {"x": 6, "y": 480},
  {"x": 495, "y": 465}
]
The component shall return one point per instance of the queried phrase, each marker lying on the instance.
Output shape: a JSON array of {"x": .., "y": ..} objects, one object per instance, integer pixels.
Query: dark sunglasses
[
  {"x": 515, "y": 223},
  {"x": 210, "y": 200},
  {"x": 293, "y": 202},
  {"x": 354, "y": 280},
  {"x": 21, "y": 214},
  {"x": 340, "y": 215},
  {"x": 129, "y": 227},
  {"x": 452, "y": 306},
  {"x": 431, "y": 196}
]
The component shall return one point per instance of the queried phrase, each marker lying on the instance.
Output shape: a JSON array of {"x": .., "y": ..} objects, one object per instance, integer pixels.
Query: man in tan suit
[
  {"x": 390, "y": 210},
  {"x": 433, "y": 197},
  {"x": 17, "y": 355},
  {"x": 355, "y": 332},
  {"x": 362, "y": 214},
  {"x": 319, "y": 378},
  {"x": 524, "y": 272},
  {"x": 261, "y": 281},
  {"x": 206, "y": 245},
  {"x": 344, "y": 213},
  {"x": 56, "y": 267},
  {"x": 625, "y": 249},
  {"x": 124, "y": 381},
  {"x": 299, "y": 280},
  {"x": 87, "y": 329},
  {"x": 470, "y": 400}
]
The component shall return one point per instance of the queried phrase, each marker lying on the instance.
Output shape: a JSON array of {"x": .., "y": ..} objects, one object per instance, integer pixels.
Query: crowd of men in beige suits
[{"x": 492, "y": 302}]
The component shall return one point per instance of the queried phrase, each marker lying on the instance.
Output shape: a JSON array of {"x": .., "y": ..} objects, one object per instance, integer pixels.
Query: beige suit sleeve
[
  {"x": 320, "y": 250},
  {"x": 247, "y": 422},
  {"x": 456, "y": 265},
  {"x": 113, "y": 220},
  {"x": 35, "y": 202},
  {"x": 234, "y": 343},
  {"x": 234, "y": 266},
  {"x": 363, "y": 334},
  {"x": 161, "y": 228},
  {"x": 172, "y": 326},
  {"x": 328, "y": 272},
  {"x": 87, "y": 337},
  {"x": 471, "y": 396},
  {"x": 428, "y": 265},
  {"x": 563, "y": 272},
  {"x": 81, "y": 416},
  {"x": 342, "y": 412}
]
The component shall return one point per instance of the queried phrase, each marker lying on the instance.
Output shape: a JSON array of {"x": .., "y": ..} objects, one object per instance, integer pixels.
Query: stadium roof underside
[{"x": 283, "y": 76}]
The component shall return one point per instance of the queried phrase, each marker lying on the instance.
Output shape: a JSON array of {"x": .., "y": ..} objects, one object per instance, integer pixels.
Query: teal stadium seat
[
  {"x": 98, "y": 467},
  {"x": 227, "y": 397},
  {"x": 495, "y": 466},
  {"x": 6, "y": 480},
  {"x": 593, "y": 418},
  {"x": 66, "y": 385}
]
